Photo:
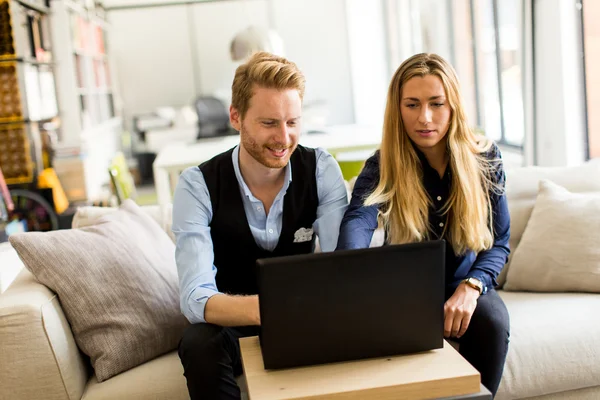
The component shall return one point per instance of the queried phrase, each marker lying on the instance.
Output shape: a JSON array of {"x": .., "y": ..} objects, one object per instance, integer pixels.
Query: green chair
[{"x": 351, "y": 160}]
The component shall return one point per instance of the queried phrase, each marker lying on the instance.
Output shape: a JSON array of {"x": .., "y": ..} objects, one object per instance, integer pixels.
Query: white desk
[
  {"x": 174, "y": 158},
  {"x": 10, "y": 265}
]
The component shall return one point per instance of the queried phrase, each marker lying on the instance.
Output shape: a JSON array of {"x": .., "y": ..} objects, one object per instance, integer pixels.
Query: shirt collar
[
  {"x": 235, "y": 157},
  {"x": 428, "y": 170}
]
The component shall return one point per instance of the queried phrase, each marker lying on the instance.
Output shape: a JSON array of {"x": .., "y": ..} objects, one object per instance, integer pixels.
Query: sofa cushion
[
  {"x": 117, "y": 283},
  {"x": 560, "y": 248},
  {"x": 522, "y": 188},
  {"x": 591, "y": 393},
  {"x": 161, "y": 378},
  {"x": 554, "y": 343}
]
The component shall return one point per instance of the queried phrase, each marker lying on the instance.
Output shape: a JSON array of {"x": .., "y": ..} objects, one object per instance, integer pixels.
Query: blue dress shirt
[
  {"x": 192, "y": 215},
  {"x": 360, "y": 222}
]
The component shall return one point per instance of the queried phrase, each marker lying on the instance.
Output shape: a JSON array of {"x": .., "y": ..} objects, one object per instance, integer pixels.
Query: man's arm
[
  {"x": 333, "y": 200},
  {"x": 227, "y": 310},
  {"x": 200, "y": 299}
]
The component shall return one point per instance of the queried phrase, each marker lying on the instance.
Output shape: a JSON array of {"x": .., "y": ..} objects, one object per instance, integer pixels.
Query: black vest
[{"x": 234, "y": 247}]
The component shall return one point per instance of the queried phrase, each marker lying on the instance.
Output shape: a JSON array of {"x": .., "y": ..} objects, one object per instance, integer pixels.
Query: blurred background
[{"x": 106, "y": 100}]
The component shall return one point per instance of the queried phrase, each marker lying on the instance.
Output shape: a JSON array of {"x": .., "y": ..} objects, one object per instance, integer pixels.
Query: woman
[{"x": 435, "y": 179}]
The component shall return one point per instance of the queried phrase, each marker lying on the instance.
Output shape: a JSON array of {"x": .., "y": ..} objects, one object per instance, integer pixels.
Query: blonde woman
[{"x": 433, "y": 178}]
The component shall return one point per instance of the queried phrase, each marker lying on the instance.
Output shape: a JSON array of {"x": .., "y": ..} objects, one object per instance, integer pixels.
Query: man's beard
[{"x": 260, "y": 152}]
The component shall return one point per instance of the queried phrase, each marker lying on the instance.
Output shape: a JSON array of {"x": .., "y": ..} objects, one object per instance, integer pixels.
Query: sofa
[{"x": 554, "y": 348}]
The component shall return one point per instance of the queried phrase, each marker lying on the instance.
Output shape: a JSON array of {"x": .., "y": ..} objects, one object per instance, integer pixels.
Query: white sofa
[{"x": 554, "y": 350}]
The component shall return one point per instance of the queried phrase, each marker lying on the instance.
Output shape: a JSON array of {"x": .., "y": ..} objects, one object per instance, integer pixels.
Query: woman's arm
[
  {"x": 359, "y": 222},
  {"x": 460, "y": 307},
  {"x": 489, "y": 263}
]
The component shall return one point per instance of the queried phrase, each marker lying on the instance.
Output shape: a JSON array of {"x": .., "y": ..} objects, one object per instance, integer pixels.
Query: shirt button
[
  {"x": 258, "y": 208},
  {"x": 441, "y": 224},
  {"x": 270, "y": 230},
  {"x": 439, "y": 198}
]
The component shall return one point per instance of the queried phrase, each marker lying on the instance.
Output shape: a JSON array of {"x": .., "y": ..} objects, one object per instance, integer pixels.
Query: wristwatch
[{"x": 475, "y": 284}]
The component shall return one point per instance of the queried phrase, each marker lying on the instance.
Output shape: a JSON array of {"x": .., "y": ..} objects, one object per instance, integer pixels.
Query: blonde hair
[
  {"x": 404, "y": 202},
  {"x": 268, "y": 71}
]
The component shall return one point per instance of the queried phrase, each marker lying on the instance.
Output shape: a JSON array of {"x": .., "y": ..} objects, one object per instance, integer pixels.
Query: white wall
[
  {"x": 151, "y": 49},
  {"x": 214, "y": 25},
  {"x": 559, "y": 96},
  {"x": 166, "y": 56},
  {"x": 368, "y": 55},
  {"x": 316, "y": 38}
]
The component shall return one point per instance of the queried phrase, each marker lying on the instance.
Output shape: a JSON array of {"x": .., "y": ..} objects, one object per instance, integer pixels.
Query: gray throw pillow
[{"x": 117, "y": 284}]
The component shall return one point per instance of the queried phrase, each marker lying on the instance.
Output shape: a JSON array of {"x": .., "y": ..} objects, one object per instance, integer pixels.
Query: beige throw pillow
[
  {"x": 560, "y": 247},
  {"x": 117, "y": 284},
  {"x": 522, "y": 188}
]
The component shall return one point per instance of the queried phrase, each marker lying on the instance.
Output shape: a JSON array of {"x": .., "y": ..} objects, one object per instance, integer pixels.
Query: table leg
[
  {"x": 483, "y": 394},
  {"x": 163, "y": 188}
]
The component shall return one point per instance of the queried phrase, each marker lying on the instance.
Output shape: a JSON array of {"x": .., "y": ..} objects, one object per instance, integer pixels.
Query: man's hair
[{"x": 265, "y": 70}]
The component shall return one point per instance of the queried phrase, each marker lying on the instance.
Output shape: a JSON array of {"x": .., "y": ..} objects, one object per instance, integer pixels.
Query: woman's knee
[{"x": 491, "y": 317}]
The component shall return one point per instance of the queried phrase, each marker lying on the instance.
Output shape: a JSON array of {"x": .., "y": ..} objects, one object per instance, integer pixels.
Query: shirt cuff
[
  {"x": 484, "y": 278},
  {"x": 196, "y": 304}
]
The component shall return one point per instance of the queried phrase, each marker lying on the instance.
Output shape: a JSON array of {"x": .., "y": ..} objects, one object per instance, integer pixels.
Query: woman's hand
[{"x": 459, "y": 309}]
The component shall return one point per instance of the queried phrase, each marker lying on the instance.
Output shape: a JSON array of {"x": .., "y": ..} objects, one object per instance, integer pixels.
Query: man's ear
[{"x": 235, "y": 118}]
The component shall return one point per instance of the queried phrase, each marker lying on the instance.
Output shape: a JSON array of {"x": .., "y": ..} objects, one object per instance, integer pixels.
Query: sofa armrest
[{"x": 39, "y": 357}]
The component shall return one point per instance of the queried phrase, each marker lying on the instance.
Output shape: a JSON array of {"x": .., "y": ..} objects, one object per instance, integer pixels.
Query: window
[
  {"x": 591, "y": 40},
  {"x": 484, "y": 41}
]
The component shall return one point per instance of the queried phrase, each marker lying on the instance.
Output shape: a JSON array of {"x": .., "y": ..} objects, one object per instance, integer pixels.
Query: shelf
[
  {"x": 90, "y": 15},
  {"x": 93, "y": 57},
  {"x": 77, "y": 8},
  {"x": 88, "y": 92},
  {"x": 33, "y": 6},
  {"x": 27, "y": 61},
  {"x": 102, "y": 127},
  {"x": 97, "y": 57},
  {"x": 91, "y": 130},
  {"x": 28, "y": 121},
  {"x": 103, "y": 24}
]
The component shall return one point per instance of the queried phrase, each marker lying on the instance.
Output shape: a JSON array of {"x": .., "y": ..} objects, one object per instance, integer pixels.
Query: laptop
[{"x": 353, "y": 304}]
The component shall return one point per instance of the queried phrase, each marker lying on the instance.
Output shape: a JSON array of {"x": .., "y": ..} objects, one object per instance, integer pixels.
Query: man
[{"x": 266, "y": 197}]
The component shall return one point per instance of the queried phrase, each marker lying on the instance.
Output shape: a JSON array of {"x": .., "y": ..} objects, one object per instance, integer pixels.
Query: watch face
[{"x": 476, "y": 284}]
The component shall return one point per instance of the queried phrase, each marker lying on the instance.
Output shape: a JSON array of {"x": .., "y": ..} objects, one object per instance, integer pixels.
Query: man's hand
[{"x": 459, "y": 309}]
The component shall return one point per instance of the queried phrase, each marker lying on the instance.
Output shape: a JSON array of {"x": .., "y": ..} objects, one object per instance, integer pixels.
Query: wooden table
[{"x": 429, "y": 375}]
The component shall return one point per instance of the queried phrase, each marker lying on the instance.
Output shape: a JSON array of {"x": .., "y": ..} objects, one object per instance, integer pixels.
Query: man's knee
[{"x": 201, "y": 343}]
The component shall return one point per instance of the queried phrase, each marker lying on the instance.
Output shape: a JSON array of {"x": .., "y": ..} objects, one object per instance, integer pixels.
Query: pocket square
[{"x": 303, "y": 235}]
